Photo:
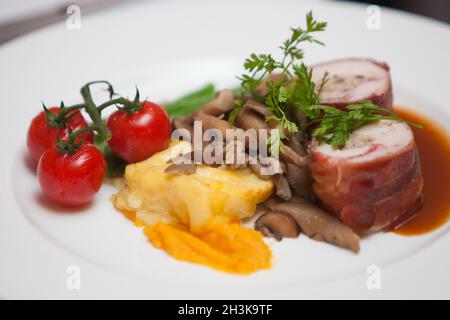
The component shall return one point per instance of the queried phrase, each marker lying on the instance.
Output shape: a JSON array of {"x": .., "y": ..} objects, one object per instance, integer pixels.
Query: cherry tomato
[
  {"x": 42, "y": 136},
  {"x": 71, "y": 179},
  {"x": 138, "y": 135}
]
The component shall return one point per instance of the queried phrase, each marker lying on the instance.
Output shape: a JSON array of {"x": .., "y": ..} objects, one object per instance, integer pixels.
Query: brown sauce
[{"x": 433, "y": 144}]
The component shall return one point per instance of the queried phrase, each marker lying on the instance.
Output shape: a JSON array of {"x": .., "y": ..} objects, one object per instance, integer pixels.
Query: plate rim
[{"x": 49, "y": 248}]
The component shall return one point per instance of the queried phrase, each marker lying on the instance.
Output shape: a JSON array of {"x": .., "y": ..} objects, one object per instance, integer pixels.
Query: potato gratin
[{"x": 196, "y": 217}]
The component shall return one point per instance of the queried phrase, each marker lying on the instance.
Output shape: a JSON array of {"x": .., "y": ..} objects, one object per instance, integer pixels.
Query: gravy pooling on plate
[{"x": 434, "y": 149}]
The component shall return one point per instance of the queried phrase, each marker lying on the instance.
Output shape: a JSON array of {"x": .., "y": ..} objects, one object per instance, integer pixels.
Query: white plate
[{"x": 168, "y": 48}]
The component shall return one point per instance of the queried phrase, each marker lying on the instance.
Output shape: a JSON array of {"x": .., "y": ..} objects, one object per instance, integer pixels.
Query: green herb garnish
[
  {"x": 291, "y": 85},
  {"x": 336, "y": 125}
]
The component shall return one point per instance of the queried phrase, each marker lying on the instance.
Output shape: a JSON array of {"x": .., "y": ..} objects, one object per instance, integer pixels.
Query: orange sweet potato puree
[{"x": 227, "y": 247}]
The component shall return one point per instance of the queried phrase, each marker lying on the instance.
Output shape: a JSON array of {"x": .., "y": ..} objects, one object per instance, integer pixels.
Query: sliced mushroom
[
  {"x": 186, "y": 120},
  {"x": 295, "y": 144},
  {"x": 237, "y": 165},
  {"x": 186, "y": 158},
  {"x": 182, "y": 124},
  {"x": 262, "y": 109},
  {"x": 212, "y": 122},
  {"x": 278, "y": 225},
  {"x": 185, "y": 124},
  {"x": 290, "y": 156},
  {"x": 235, "y": 155},
  {"x": 258, "y": 107},
  {"x": 214, "y": 161},
  {"x": 283, "y": 167},
  {"x": 181, "y": 169},
  {"x": 222, "y": 103},
  {"x": 316, "y": 223},
  {"x": 282, "y": 187},
  {"x": 300, "y": 181},
  {"x": 261, "y": 209},
  {"x": 300, "y": 119},
  {"x": 258, "y": 167},
  {"x": 299, "y": 178},
  {"x": 248, "y": 119}
]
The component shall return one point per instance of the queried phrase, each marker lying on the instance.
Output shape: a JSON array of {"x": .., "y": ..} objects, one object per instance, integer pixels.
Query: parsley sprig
[
  {"x": 336, "y": 125},
  {"x": 258, "y": 66},
  {"x": 291, "y": 85}
]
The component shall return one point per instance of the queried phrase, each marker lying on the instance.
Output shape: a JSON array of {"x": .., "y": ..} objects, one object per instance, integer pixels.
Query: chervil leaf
[
  {"x": 294, "y": 85},
  {"x": 336, "y": 125}
]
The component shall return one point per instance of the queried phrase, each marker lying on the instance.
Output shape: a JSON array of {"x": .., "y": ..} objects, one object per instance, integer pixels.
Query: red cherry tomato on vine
[
  {"x": 71, "y": 179},
  {"x": 138, "y": 135},
  {"x": 42, "y": 136}
]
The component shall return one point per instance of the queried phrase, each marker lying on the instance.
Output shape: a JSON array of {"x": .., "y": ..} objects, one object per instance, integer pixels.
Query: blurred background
[{"x": 21, "y": 16}]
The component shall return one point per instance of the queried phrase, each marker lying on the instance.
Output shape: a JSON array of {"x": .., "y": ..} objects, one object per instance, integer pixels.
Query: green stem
[
  {"x": 120, "y": 100},
  {"x": 93, "y": 112},
  {"x": 79, "y": 132},
  {"x": 62, "y": 114},
  {"x": 69, "y": 147}
]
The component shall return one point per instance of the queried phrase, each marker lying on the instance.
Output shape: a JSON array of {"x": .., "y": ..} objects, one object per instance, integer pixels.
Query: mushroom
[
  {"x": 316, "y": 223},
  {"x": 238, "y": 164},
  {"x": 300, "y": 181},
  {"x": 181, "y": 169},
  {"x": 182, "y": 124},
  {"x": 185, "y": 124},
  {"x": 261, "y": 208},
  {"x": 251, "y": 122},
  {"x": 282, "y": 187},
  {"x": 290, "y": 156},
  {"x": 258, "y": 108},
  {"x": 257, "y": 168},
  {"x": 262, "y": 109},
  {"x": 298, "y": 178},
  {"x": 278, "y": 225},
  {"x": 248, "y": 119},
  {"x": 235, "y": 155},
  {"x": 295, "y": 144},
  {"x": 186, "y": 158},
  {"x": 212, "y": 122},
  {"x": 301, "y": 120},
  {"x": 222, "y": 103}
]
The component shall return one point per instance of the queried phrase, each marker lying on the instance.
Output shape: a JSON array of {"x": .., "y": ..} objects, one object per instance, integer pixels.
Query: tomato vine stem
[
  {"x": 70, "y": 146},
  {"x": 93, "y": 111},
  {"x": 64, "y": 111}
]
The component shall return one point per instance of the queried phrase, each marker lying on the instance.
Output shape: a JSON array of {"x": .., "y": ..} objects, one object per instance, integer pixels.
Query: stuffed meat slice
[
  {"x": 374, "y": 182},
  {"x": 352, "y": 80}
]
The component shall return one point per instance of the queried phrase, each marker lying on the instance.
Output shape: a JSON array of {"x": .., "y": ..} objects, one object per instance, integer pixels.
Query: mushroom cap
[{"x": 277, "y": 224}]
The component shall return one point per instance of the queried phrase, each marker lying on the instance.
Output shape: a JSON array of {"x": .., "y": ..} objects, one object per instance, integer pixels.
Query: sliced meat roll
[
  {"x": 352, "y": 80},
  {"x": 374, "y": 182}
]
